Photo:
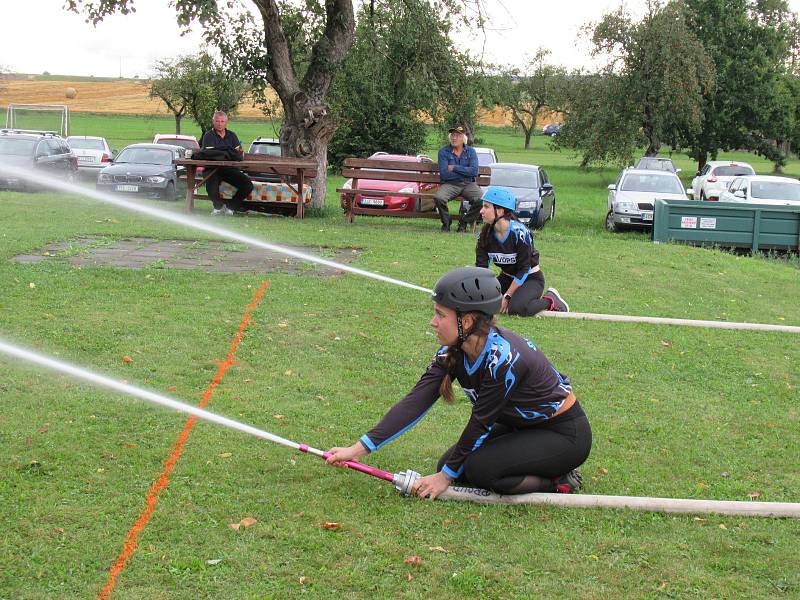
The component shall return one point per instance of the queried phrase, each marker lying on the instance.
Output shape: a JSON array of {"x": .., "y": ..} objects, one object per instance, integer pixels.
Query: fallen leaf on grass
[
  {"x": 436, "y": 549},
  {"x": 28, "y": 441},
  {"x": 722, "y": 526},
  {"x": 129, "y": 445},
  {"x": 473, "y": 516},
  {"x": 31, "y": 285},
  {"x": 331, "y": 525},
  {"x": 226, "y": 455},
  {"x": 58, "y": 531},
  {"x": 127, "y": 359},
  {"x": 754, "y": 495},
  {"x": 409, "y": 577},
  {"x": 246, "y": 522},
  {"x": 701, "y": 485},
  {"x": 248, "y": 380},
  {"x": 172, "y": 389},
  {"x": 303, "y": 580},
  {"x": 667, "y": 344},
  {"x": 43, "y": 428},
  {"x": 278, "y": 416},
  {"x": 288, "y": 372},
  {"x": 602, "y": 471},
  {"x": 213, "y": 561},
  {"x": 413, "y": 560}
]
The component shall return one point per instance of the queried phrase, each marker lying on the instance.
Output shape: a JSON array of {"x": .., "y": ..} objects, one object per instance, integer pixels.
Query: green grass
[{"x": 676, "y": 412}]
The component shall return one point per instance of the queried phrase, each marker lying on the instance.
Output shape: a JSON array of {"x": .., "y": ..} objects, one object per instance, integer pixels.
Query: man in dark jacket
[
  {"x": 219, "y": 136},
  {"x": 458, "y": 168}
]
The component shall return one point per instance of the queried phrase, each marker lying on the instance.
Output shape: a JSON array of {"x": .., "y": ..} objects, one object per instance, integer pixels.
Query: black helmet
[{"x": 469, "y": 289}]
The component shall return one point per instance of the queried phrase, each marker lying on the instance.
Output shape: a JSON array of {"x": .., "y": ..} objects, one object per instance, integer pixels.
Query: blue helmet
[{"x": 500, "y": 196}]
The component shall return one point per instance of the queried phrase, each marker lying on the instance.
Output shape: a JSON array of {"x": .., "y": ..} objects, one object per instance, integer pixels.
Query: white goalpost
[{"x": 38, "y": 117}]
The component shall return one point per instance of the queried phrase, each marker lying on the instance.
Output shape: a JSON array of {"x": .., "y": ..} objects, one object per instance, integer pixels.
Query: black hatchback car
[
  {"x": 42, "y": 152},
  {"x": 143, "y": 170}
]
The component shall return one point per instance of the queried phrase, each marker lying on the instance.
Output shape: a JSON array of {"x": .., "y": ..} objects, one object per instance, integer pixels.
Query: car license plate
[
  {"x": 647, "y": 215},
  {"x": 372, "y": 201},
  {"x": 127, "y": 188},
  {"x": 85, "y": 159}
]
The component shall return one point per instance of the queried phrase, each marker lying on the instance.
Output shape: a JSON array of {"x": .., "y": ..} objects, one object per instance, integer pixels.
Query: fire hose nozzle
[{"x": 404, "y": 480}]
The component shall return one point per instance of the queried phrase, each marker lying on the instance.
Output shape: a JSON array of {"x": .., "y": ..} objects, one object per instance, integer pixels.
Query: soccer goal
[{"x": 38, "y": 117}]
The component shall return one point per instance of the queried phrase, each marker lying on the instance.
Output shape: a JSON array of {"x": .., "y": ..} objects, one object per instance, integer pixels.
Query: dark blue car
[{"x": 536, "y": 197}]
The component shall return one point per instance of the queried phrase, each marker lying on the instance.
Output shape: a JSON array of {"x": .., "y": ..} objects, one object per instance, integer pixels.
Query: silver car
[
  {"x": 93, "y": 154},
  {"x": 763, "y": 189},
  {"x": 632, "y": 198}
]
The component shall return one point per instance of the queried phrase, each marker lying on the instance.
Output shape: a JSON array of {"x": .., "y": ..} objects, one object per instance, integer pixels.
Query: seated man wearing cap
[{"x": 458, "y": 168}]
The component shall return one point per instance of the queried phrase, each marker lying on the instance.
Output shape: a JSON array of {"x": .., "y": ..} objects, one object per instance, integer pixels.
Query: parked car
[
  {"x": 655, "y": 163},
  {"x": 389, "y": 194},
  {"x": 144, "y": 170},
  {"x": 551, "y": 129},
  {"x": 486, "y": 156},
  {"x": 763, "y": 189},
  {"x": 187, "y": 142},
  {"x": 714, "y": 177},
  {"x": 93, "y": 154},
  {"x": 632, "y": 197},
  {"x": 43, "y": 152},
  {"x": 265, "y": 145},
  {"x": 536, "y": 197}
]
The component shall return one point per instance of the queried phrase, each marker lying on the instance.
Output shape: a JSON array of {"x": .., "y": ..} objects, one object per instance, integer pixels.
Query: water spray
[
  {"x": 403, "y": 481},
  {"x": 199, "y": 224}
]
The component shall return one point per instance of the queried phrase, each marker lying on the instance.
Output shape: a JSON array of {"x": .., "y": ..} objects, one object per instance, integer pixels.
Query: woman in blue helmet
[
  {"x": 526, "y": 431},
  {"x": 507, "y": 242}
]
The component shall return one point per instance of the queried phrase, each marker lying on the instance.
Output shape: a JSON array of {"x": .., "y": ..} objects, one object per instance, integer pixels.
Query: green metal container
[{"x": 754, "y": 226}]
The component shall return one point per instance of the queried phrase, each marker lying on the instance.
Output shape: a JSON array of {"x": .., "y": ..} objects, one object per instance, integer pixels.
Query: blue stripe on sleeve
[
  {"x": 452, "y": 474},
  {"x": 367, "y": 443}
]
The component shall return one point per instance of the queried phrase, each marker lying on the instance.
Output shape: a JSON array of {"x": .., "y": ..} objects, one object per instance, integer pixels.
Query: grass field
[{"x": 676, "y": 412}]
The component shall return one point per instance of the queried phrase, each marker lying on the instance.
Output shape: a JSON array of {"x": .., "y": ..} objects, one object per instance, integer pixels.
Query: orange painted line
[{"x": 130, "y": 545}]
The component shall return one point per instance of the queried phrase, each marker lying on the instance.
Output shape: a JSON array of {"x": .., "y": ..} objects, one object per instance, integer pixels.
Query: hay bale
[{"x": 71, "y": 93}]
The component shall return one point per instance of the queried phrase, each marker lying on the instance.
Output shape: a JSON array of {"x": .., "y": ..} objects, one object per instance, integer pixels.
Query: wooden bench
[
  {"x": 362, "y": 170},
  {"x": 292, "y": 172}
]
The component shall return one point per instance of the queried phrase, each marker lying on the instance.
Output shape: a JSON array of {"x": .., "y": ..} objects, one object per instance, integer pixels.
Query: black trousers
[
  {"x": 234, "y": 177},
  {"x": 527, "y": 300},
  {"x": 548, "y": 450}
]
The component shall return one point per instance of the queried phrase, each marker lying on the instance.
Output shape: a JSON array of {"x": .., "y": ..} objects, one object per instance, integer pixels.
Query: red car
[{"x": 393, "y": 198}]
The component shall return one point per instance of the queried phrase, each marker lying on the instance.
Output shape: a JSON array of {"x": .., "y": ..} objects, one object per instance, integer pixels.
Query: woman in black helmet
[
  {"x": 526, "y": 433},
  {"x": 506, "y": 242}
]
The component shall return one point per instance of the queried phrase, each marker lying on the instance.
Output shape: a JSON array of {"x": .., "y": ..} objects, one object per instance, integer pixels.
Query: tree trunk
[
  {"x": 702, "y": 159},
  {"x": 306, "y": 132},
  {"x": 177, "y": 124},
  {"x": 528, "y": 133}
]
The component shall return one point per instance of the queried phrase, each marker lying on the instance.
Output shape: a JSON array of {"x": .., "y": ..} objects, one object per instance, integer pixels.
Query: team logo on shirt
[
  {"x": 500, "y": 258},
  {"x": 471, "y": 393},
  {"x": 500, "y": 355}
]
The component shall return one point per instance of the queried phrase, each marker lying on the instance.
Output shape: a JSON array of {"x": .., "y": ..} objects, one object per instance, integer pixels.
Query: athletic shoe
[
  {"x": 217, "y": 211},
  {"x": 570, "y": 483},
  {"x": 557, "y": 303},
  {"x": 227, "y": 210}
]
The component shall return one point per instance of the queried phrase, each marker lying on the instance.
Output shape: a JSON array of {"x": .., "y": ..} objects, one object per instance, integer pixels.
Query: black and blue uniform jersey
[
  {"x": 511, "y": 382},
  {"x": 514, "y": 254}
]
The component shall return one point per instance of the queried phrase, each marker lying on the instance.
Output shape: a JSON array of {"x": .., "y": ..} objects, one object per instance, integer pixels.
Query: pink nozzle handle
[
  {"x": 357, "y": 466},
  {"x": 351, "y": 464}
]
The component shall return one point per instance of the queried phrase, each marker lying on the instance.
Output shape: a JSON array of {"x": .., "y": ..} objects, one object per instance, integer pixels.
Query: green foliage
[
  {"x": 524, "y": 94},
  {"x": 651, "y": 89},
  {"x": 196, "y": 86},
  {"x": 402, "y": 64},
  {"x": 749, "y": 43}
]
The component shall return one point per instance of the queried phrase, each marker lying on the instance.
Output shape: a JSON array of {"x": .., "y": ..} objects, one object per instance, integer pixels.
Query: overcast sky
[{"x": 128, "y": 45}]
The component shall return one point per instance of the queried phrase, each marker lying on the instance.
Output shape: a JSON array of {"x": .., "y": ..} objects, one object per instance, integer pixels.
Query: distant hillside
[{"x": 126, "y": 96}]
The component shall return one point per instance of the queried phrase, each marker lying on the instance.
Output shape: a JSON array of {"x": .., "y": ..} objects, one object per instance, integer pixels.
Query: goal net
[{"x": 38, "y": 117}]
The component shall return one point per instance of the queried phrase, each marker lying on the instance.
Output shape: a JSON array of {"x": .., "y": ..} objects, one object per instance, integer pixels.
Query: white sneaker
[
  {"x": 227, "y": 210},
  {"x": 216, "y": 211}
]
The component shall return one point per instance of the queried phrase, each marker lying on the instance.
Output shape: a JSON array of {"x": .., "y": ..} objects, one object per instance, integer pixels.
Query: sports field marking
[{"x": 129, "y": 547}]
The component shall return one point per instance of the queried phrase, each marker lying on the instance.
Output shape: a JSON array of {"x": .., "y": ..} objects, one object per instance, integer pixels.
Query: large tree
[
  {"x": 260, "y": 50},
  {"x": 524, "y": 94},
  {"x": 749, "y": 42},
  {"x": 195, "y": 86},
  {"x": 402, "y": 66}
]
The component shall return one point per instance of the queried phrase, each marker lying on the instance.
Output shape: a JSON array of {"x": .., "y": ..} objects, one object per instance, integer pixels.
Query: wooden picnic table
[{"x": 292, "y": 171}]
